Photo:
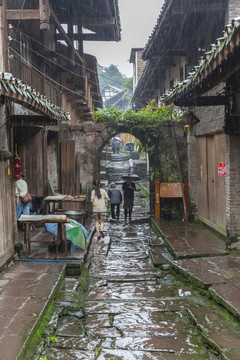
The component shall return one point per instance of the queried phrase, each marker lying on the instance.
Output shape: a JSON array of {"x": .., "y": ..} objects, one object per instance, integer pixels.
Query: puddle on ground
[{"x": 125, "y": 309}]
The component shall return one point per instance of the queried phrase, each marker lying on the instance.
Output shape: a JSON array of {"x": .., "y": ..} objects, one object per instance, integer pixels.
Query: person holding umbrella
[
  {"x": 98, "y": 197},
  {"x": 128, "y": 189}
]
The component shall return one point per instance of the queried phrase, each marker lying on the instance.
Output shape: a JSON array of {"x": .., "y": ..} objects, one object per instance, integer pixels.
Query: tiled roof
[
  {"x": 161, "y": 16},
  {"x": 216, "y": 55},
  {"x": 27, "y": 96}
]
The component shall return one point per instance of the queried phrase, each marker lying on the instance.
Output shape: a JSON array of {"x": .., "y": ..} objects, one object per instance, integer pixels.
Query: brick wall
[
  {"x": 233, "y": 187},
  {"x": 233, "y": 10},
  {"x": 140, "y": 64}
]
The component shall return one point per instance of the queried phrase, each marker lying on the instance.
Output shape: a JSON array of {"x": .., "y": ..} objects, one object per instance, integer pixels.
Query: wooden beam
[
  {"x": 31, "y": 120},
  {"x": 94, "y": 21},
  {"x": 204, "y": 101},
  {"x": 95, "y": 37},
  {"x": 4, "y": 60},
  {"x": 44, "y": 11},
  {"x": 28, "y": 14},
  {"x": 63, "y": 33},
  {"x": 197, "y": 8}
]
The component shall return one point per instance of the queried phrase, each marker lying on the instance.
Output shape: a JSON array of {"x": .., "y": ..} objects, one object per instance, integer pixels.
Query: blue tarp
[{"x": 53, "y": 228}]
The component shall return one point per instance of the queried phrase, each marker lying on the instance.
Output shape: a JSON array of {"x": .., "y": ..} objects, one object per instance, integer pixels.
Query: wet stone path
[{"x": 122, "y": 308}]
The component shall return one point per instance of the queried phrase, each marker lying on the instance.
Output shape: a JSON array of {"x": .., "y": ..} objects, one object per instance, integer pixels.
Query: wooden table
[
  {"x": 28, "y": 220},
  {"x": 58, "y": 199}
]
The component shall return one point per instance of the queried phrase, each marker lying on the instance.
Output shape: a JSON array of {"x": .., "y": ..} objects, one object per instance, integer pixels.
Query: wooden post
[
  {"x": 179, "y": 170},
  {"x": 157, "y": 198},
  {"x": 4, "y": 64},
  {"x": 186, "y": 193},
  {"x": 44, "y": 12}
]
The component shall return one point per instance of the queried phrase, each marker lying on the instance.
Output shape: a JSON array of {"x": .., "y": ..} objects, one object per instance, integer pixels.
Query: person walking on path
[
  {"x": 21, "y": 191},
  {"x": 115, "y": 200},
  {"x": 98, "y": 197},
  {"x": 128, "y": 189}
]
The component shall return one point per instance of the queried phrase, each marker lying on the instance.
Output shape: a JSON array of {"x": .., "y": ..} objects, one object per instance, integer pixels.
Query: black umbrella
[{"x": 132, "y": 177}]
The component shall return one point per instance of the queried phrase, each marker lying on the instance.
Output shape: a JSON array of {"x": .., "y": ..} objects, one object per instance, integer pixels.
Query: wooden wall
[
  {"x": 8, "y": 223},
  {"x": 211, "y": 150},
  {"x": 70, "y": 171},
  {"x": 32, "y": 149}
]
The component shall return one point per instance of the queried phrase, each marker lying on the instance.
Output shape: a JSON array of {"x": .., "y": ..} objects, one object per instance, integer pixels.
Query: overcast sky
[{"x": 138, "y": 18}]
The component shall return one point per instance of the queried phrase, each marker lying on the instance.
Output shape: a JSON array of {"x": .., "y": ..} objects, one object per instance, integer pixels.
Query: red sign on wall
[{"x": 222, "y": 169}]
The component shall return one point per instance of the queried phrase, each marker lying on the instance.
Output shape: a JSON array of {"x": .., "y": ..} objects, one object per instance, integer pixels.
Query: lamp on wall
[{"x": 188, "y": 120}]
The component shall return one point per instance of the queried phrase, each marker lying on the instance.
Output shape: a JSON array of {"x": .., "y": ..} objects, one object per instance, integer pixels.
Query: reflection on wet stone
[{"x": 131, "y": 310}]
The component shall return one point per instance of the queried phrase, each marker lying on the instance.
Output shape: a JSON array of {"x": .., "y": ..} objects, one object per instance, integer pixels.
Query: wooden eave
[
  {"x": 22, "y": 94},
  {"x": 219, "y": 64},
  {"x": 101, "y": 17},
  {"x": 176, "y": 20},
  {"x": 145, "y": 87}
]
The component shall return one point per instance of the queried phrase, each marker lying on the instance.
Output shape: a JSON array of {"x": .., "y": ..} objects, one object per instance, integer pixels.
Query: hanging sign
[{"x": 222, "y": 169}]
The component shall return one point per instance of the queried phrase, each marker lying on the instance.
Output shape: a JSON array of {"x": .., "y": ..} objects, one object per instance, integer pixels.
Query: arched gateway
[{"x": 89, "y": 139}]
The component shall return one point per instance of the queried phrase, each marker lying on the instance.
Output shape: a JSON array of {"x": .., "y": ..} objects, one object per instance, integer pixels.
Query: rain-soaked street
[{"x": 122, "y": 308}]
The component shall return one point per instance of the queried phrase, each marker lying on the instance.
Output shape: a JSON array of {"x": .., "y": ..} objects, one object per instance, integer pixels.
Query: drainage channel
[{"x": 122, "y": 308}]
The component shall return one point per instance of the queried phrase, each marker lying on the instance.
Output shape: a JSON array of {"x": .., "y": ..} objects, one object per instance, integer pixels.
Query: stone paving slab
[
  {"x": 174, "y": 343},
  {"x": 138, "y": 306},
  {"x": 25, "y": 289},
  {"x": 226, "y": 340},
  {"x": 66, "y": 354},
  {"x": 221, "y": 275},
  {"x": 141, "y": 355},
  {"x": 191, "y": 239},
  {"x": 157, "y": 256},
  {"x": 127, "y": 291},
  {"x": 77, "y": 343}
]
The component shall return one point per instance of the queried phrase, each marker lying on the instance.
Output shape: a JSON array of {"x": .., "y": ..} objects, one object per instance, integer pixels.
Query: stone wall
[
  {"x": 192, "y": 171},
  {"x": 140, "y": 64},
  {"x": 90, "y": 139},
  {"x": 233, "y": 187},
  {"x": 233, "y": 10}
]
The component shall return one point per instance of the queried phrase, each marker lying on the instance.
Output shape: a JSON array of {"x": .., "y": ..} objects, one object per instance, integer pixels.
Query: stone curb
[
  {"x": 89, "y": 243},
  {"x": 24, "y": 352},
  {"x": 206, "y": 339},
  {"x": 210, "y": 293},
  {"x": 166, "y": 242}
]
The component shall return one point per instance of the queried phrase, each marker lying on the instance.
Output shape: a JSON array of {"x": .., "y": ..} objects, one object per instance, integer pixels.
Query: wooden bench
[
  {"x": 60, "y": 220},
  {"x": 170, "y": 190}
]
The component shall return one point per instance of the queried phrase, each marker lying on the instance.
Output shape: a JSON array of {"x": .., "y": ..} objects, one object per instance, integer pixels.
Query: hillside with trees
[{"x": 111, "y": 76}]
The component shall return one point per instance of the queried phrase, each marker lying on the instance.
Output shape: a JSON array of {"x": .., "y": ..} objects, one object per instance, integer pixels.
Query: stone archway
[{"x": 90, "y": 138}]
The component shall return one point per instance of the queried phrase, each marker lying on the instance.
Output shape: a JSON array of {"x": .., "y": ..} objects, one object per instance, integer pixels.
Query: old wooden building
[
  {"x": 47, "y": 83},
  {"x": 175, "y": 51}
]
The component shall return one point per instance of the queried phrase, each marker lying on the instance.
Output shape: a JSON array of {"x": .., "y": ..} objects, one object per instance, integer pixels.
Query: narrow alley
[
  {"x": 132, "y": 310},
  {"x": 124, "y": 308}
]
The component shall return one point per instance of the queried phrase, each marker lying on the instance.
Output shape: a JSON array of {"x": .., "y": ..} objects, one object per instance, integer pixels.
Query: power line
[
  {"x": 53, "y": 62},
  {"x": 66, "y": 58},
  {"x": 54, "y": 81}
]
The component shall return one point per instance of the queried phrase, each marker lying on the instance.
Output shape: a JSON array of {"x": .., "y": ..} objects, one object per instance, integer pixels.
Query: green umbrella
[{"x": 77, "y": 236}]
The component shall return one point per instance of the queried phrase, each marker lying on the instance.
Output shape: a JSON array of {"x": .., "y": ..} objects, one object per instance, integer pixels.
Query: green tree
[
  {"x": 110, "y": 76},
  {"x": 128, "y": 90}
]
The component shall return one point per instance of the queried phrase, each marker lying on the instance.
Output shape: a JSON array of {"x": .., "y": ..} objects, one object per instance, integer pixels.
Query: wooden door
[
  {"x": 68, "y": 167},
  {"x": 211, "y": 150}
]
